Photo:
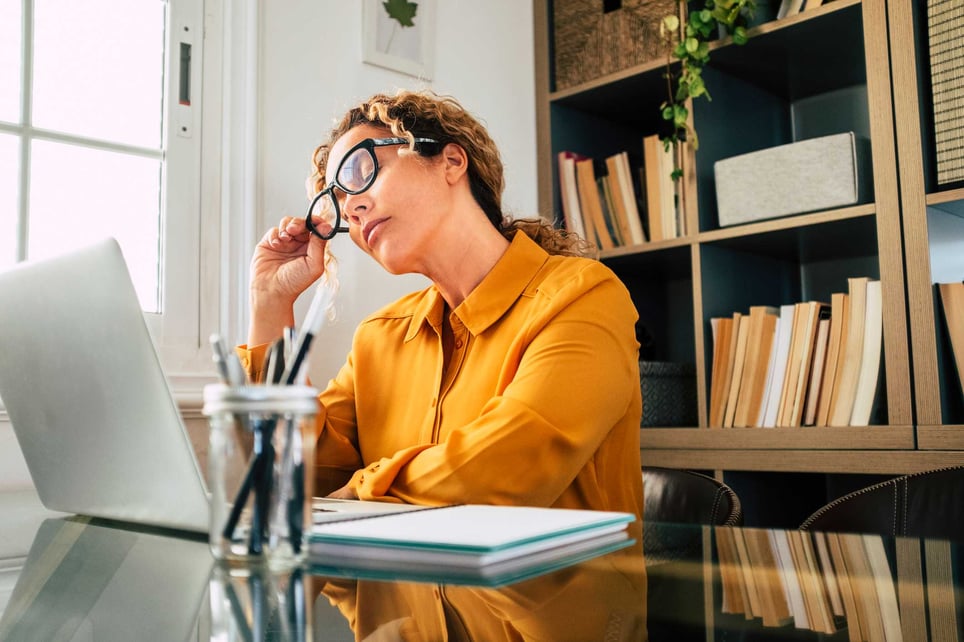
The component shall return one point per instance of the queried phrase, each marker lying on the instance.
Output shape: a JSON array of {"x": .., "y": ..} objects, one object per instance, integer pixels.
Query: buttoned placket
[{"x": 460, "y": 345}]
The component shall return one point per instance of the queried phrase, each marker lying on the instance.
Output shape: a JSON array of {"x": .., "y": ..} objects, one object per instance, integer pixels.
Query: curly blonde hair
[{"x": 411, "y": 114}]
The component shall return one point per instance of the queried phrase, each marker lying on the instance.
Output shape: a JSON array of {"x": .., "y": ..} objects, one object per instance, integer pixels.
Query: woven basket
[{"x": 590, "y": 42}]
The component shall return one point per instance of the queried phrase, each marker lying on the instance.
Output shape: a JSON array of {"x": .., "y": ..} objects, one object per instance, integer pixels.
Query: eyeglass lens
[{"x": 355, "y": 174}]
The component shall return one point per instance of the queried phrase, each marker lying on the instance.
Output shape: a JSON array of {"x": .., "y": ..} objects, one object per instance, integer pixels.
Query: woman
[{"x": 511, "y": 379}]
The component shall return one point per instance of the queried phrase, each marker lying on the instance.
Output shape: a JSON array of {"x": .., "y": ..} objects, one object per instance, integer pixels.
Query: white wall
[{"x": 312, "y": 73}]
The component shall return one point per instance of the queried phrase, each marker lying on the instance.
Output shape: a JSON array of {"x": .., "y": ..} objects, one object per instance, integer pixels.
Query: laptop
[{"x": 89, "y": 403}]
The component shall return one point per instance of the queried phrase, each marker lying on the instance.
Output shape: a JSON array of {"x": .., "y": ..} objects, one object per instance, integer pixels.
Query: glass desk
[{"x": 93, "y": 580}]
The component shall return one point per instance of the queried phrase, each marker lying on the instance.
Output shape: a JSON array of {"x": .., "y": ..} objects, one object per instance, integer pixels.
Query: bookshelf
[
  {"x": 823, "y": 71},
  {"x": 933, "y": 223}
]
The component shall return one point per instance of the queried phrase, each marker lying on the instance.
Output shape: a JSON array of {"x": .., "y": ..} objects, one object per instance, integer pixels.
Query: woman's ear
[{"x": 456, "y": 162}]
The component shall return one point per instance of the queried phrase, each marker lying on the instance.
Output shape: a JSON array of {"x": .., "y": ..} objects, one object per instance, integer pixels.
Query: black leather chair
[
  {"x": 673, "y": 500},
  {"x": 672, "y": 496},
  {"x": 684, "y": 496},
  {"x": 925, "y": 504}
]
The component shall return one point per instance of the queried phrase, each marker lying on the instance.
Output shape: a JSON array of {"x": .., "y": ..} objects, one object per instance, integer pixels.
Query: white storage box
[{"x": 814, "y": 174}]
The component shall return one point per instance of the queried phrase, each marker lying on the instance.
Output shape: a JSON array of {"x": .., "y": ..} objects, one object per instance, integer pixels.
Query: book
[
  {"x": 627, "y": 191},
  {"x": 727, "y": 368},
  {"x": 591, "y": 205},
  {"x": 722, "y": 331},
  {"x": 759, "y": 342},
  {"x": 952, "y": 302},
  {"x": 660, "y": 189},
  {"x": 789, "y": 8},
  {"x": 838, "y": 318},
  {"x": 606, "y": 202},
  {"x": 739, "y": 362},
  {"x": 851, "y": 351},
  {"x": 818, "y": 368},
  {"x": 466, "y": 541},
  {"x": 620, "y": 196},
  {"x": 781, "y": 353},
  {"x": 569, "y": 192},
  {"x": 869, "y": 372}
]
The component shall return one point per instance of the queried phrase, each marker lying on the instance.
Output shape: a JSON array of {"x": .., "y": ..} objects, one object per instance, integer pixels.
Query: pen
[{"x": 314, "y": 320}]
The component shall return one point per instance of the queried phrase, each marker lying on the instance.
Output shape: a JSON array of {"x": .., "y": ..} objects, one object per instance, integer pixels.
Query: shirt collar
[{"x": 501, "y": 287}]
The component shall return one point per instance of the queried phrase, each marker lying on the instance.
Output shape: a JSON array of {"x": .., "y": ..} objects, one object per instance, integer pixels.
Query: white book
[
  {"x": 870, "y": 357},
  {"x": 781, "y": 354}
]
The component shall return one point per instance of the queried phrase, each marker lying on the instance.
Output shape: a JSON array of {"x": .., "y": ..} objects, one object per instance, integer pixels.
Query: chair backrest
[
  {"x": 925, "y": 504},
  {"x": 684, "y": 496}
]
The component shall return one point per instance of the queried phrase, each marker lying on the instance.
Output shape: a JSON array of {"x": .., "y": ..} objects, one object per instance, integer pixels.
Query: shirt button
[
  {"x": 458, "y": 343},
  {"x": 361, "y": 479},
  {"x": 374, "y": 467}
]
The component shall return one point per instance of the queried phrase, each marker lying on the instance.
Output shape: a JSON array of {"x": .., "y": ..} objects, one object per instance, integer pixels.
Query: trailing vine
[{"x": 690, "y": 46}]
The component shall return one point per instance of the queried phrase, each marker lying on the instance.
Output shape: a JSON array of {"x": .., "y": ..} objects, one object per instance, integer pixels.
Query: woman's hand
[
  {"x": 345, "y": 492},
  {"x": 286, "y": 261}
]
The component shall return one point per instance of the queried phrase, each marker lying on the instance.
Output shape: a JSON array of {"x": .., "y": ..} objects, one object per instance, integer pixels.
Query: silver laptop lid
[{"x": 88, "y": 400}]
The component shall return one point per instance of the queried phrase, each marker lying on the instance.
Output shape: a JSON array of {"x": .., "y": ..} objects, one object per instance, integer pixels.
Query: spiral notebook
[{"x": 467, "y": 541}]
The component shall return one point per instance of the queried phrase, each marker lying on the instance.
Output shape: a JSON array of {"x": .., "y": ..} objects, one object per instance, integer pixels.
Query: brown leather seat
[{"x": 925, "y": 504}]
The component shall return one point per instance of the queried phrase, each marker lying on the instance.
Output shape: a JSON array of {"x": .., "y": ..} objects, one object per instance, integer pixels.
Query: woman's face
[{"x": 396, "y": 219}]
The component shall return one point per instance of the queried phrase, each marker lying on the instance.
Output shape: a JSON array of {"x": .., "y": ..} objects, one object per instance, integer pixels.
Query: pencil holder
[{"x": 260, "y": 471}]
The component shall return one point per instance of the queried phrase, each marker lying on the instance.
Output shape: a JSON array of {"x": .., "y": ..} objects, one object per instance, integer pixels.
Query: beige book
[
  {"x": 851, "y": 351},
  {"x": 817, "y": 371},
  {"x": 838, "y": 332},
  {"x": 814, "y": 310},
  {"x": 569, "y": 192},
  {"x": 781, "y": 351},
  {"x": 753, "y": 380},
  {"x": 797, "y": 336},
  {"x": 739, "y": 363},
  {"x": 590, "y": 203},
  {"x": 652, "y": 148},
  {"x": 721, "y": 347},
  {"x": 729, "y": 366}
]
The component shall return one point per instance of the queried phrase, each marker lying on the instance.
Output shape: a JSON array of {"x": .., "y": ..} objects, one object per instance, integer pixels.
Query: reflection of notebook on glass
[{"x": 88, "y": 400}]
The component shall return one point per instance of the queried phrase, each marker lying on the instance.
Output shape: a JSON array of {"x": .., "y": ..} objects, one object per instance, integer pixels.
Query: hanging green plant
[{"x": 690, "y": 46}]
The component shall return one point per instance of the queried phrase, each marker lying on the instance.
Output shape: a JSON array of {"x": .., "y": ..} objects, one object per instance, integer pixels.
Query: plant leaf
[{"x": 401, "y": 11}]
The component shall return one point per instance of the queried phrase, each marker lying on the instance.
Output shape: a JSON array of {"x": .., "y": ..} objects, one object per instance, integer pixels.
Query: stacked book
[
  {"x": 616, "y": 200},
  {"x": 811, "y": 363}
]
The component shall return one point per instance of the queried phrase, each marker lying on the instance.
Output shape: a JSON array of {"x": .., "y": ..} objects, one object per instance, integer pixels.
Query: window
[{"x": 100, "y": 134}]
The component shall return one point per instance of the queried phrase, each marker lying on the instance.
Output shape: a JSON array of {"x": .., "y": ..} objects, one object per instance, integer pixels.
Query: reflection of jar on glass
[
  {"x": 260, "y": 492},
  {"x": 259, "y": 605}
]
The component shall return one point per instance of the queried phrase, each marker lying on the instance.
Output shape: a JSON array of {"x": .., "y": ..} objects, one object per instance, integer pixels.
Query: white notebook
[{"x": 467, "y": 540}]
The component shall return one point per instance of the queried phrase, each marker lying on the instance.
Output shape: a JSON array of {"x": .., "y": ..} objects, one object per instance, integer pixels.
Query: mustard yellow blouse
[{"x": 537, "y": 402}]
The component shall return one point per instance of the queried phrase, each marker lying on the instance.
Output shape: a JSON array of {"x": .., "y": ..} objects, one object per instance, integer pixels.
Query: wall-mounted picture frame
[{"x": 387, "y": 43}]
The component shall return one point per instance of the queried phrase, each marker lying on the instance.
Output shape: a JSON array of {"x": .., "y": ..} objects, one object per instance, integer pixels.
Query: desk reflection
[{"x": 90, "y": 580}]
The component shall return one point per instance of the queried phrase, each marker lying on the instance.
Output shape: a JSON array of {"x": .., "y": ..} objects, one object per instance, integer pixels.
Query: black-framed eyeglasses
[{"x": 355, "y": 174}]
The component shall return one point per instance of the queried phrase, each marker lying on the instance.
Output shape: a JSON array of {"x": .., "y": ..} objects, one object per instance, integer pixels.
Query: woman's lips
[{"x": 369, "y": 229}]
